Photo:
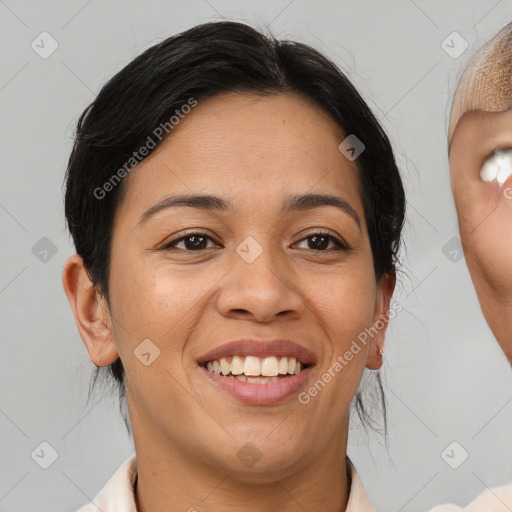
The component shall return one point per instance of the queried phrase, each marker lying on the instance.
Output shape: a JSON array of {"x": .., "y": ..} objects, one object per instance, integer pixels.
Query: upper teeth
[{"x": 254, "y": 366}]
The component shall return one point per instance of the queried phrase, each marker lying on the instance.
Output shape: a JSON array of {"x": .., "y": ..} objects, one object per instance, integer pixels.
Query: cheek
[
  {"x": 344, "y": 309},
  {"x": 344, "y": 303},
  {"x": 152, "y": 302},
  {"x": 157, "y": 303}
]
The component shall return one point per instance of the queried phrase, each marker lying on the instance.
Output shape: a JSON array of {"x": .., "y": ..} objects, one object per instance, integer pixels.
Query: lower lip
[{"x": 259, "y": 394}]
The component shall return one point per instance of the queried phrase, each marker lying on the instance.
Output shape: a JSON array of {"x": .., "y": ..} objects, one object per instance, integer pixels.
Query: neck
[{"x": 169, "y": 478}]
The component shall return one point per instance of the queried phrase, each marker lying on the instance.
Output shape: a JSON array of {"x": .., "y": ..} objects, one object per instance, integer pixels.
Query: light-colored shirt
[
  {"x": 118, "y": 495},
  {"x": 498, "y": 499}
]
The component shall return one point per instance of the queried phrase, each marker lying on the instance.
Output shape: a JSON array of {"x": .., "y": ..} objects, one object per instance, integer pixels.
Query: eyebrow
[{"x": 294, "y": 203}]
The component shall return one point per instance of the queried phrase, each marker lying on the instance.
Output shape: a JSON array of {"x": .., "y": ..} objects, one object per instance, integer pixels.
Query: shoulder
[
  {"x": 118, "y": 493},
  {"x": 498, "y": 499}
]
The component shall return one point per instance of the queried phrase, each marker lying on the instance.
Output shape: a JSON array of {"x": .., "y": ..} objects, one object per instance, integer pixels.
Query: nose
[{"x": 262, "y": 290}]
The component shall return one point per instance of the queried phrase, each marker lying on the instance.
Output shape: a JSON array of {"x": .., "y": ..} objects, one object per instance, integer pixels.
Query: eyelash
[{"x": 338, "y": 243}]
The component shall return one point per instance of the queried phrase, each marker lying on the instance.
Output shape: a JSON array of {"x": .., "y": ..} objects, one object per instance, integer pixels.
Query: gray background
[{"x": 446, "y": 379}]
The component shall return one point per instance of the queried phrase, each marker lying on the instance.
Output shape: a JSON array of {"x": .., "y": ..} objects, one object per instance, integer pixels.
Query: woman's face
[{"x": 253, "y": 270}]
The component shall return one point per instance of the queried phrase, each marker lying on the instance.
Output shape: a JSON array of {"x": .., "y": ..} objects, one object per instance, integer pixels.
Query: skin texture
[
  {"x": 486, "y": 83},
  {"x": 255, "y": 151},
  {"x": 484, "y": 214},
  {"x": 480, "y": 121}
]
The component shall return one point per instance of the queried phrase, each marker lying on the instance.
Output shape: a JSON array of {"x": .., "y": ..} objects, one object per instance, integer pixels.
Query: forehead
[
  {"x": 486, "y": 83},
  {"x": 247, "y": 147}
]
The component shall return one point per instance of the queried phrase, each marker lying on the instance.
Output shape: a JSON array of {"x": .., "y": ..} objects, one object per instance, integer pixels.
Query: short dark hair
[{"x": 198, "y": 63}]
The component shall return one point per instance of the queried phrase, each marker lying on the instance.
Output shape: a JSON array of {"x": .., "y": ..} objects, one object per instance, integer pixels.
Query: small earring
[{"x": 380, "y": 351}]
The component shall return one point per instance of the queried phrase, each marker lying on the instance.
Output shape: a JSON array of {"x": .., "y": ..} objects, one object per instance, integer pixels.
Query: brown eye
[
  {"x": 191, "y": 242},
  {"x": 321, "y": 241}
]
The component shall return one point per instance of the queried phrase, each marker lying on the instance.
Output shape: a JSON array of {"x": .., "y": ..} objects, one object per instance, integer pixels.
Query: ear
[
  {"x": 91, "y": 312},
  {"x": 380, "y": 320}
]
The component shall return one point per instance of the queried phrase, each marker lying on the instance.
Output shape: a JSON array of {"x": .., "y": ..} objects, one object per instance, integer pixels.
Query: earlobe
[
  {"x": 380, "y": 321},
  {"x": 90, "y": 311}
]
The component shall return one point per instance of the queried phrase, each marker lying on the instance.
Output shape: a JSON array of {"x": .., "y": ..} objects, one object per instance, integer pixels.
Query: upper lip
[{"x": 260, "y": 348}]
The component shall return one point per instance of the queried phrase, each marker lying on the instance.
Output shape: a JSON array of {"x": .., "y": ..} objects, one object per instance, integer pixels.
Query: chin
[
  {"x": 251, "y": 457},
  {"x": 266, "y": 466}
]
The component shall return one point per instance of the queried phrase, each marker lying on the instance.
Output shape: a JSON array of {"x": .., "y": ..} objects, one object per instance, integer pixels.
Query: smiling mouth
[{"x": 256, "y": 370}]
